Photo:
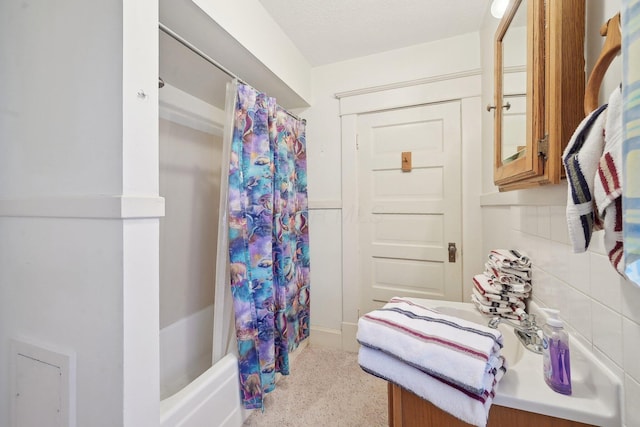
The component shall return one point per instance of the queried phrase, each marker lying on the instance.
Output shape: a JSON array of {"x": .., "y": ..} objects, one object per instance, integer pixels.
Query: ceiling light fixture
[{"x": 498, "y": 8}]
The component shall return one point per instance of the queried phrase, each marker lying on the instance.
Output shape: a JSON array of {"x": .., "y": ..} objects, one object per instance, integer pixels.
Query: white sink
[
  {"x": 597, "y": 392},
  {"x": 512, "y": 350}
]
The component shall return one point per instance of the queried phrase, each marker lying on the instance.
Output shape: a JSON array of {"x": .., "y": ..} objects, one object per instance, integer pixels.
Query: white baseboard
[
  {"x": 334, "y": 338},
  {"x": 349, "y": 331},
  {"x": 325, "y": 337}
]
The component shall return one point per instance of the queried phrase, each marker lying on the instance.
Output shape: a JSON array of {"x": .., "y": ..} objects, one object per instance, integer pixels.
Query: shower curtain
[{"x": 268, "y": 240}]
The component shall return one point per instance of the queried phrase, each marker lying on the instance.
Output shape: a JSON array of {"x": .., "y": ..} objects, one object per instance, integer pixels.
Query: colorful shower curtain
[
  {"x": 268, "y": 240},
  {"x": 631, "y": 129}
]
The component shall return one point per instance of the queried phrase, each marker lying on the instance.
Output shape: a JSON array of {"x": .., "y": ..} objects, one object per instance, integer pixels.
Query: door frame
[
  {"x": 373, "y": 208},
  {"x": 464, "y": 88}
]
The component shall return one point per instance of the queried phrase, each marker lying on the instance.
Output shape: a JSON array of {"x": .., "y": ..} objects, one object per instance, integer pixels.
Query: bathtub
[
  {"x": 194, "y": 393},
  {"x": 212, "y": 399}
]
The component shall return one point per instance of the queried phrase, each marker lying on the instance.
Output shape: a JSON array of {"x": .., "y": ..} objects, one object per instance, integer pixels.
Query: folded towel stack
[
  {"x": 504, "y": 286},
  {"x": 453, "y": 363}
]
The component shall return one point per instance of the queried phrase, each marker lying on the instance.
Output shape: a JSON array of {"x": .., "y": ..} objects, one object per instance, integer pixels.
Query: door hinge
[{"x": 543, "y": 146}]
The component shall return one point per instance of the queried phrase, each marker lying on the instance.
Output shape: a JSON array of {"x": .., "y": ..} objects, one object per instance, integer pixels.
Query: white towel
[
  {"x": 473, "y": 409},
  {"x": 523, "y": 274},
  {"x": 509, "y": 312},
  {"x": 608, "y": 183},
  {"x": 508, "y": 282},
  {"x": 455, "y": 350},
  {"x": 498, "y": 274},
  {"x": 498, "y": 291},
  {"x": 580, "y": 160},
  {"x": 510, "y": 258},
  {"x": 493, "y": 300}
]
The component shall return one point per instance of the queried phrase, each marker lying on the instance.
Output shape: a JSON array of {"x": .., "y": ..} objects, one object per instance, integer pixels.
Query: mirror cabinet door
[
  {"x": 530, "y": 92},
  {"x": 519, "y": 89},
  {"x": 513, "y": 135}
]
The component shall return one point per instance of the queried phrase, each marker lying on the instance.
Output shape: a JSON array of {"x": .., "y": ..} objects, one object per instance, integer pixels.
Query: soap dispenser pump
[{"x": 555, "y": 353}]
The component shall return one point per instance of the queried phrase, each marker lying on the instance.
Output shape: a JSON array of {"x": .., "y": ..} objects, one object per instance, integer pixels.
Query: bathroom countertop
[
  {"x": 595, "y": 397},
  {"x": 596, "y": 391}
]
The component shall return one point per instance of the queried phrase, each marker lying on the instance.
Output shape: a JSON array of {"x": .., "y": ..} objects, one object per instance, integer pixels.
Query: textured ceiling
[{"x": 327, "y": 31}]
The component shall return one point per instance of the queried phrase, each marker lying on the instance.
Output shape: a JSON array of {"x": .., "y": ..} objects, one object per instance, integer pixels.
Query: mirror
[
  {"x": 519, "y": 77},
  {"x": 514, "y": 87},
  {"x": 539, "y": 89}
]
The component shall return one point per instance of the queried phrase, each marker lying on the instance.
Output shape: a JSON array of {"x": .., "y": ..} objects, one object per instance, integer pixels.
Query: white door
[{"x": 408, "y": 219}]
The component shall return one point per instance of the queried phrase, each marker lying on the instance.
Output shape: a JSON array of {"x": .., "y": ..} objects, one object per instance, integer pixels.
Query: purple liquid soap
[
  {"x": 555, "y": 354},
  {"x": 559, "y": 379}
]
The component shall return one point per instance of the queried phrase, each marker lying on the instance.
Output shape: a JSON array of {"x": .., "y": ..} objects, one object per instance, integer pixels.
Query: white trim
[
  {"x": 179, "y": 107},
  {"x": 471, "y": 167},
  {"x": 105, "y": 207},
  {"x": 349, "y": 216},
  {"x": 325, "y": 204},
  {"x": 425, "y": 93},
  {"x": 444, "y": 88},
  {"x": 349, "y": 340},
  {"x": 325, "y": 337},
  {"x": 515, "y": 69},
  {"x": 546, "y": 195},
  {"x": 409, "y": 83}
]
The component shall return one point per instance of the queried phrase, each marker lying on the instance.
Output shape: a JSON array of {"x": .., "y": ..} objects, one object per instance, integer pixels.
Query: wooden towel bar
[{"x": 611, "y": 47}]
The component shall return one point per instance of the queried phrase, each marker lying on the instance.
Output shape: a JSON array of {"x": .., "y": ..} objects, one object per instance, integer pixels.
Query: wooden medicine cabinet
[{"x": 539, "y": 90}]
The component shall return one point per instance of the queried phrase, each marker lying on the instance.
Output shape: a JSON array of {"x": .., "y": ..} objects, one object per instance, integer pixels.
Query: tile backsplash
[{"x": 600, "y": 308}]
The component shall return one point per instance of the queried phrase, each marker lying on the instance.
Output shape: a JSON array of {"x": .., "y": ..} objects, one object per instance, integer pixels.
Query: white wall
[
  {"x": 333, "y": 308},
  {"x": 600, "y": 308},
  {"x": 79, "y": 205}
]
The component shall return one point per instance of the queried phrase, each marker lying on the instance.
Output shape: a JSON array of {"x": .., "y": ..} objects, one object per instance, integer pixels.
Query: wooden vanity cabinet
[{"x": 408, "y": 410}]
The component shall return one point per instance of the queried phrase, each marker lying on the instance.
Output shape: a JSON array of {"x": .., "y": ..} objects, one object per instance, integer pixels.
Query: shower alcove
[
  {"x": 195, "y": 320},
  {"x": 191, "y": 115}
]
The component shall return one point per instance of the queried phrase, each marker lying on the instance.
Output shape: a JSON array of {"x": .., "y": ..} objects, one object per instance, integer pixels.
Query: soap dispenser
[{"x": 555, "y": 354}]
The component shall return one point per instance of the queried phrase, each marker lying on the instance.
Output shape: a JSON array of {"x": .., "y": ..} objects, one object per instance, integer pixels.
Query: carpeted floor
[{"x": 326, "y": 388}]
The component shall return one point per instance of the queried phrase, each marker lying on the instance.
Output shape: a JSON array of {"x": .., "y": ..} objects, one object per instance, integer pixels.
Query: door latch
[{"x": 452, "y": 252}]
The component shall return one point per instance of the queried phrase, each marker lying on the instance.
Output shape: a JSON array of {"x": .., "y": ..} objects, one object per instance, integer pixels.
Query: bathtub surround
[{"x": 268, "y": 239}]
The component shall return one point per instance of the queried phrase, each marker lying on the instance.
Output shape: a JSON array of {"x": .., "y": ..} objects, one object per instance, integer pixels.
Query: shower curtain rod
[{"x": 168, "y": 31}]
